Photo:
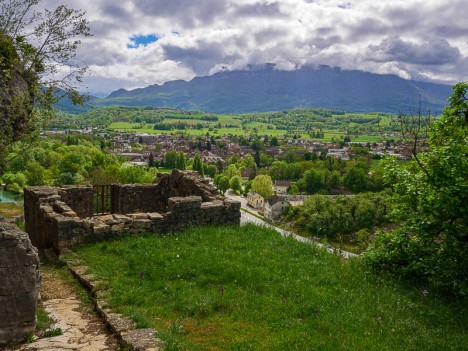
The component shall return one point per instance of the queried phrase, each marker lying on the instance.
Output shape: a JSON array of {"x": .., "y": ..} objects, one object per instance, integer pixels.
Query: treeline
[
  {"x": 344, "y": 218},
  {"x": 68, "y": 161}
]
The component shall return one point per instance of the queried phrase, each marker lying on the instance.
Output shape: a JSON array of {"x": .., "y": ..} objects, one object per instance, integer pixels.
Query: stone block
[
  {"x": 155, "y": 216},
  {"x": 135, "y": 216},
  {"x": 101, "y": 229},
  {"x": 118, "y": 228},
  {"x": 142, "y": 224}
]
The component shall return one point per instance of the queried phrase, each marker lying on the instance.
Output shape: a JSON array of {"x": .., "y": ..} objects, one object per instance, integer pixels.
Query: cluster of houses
[{"x": 276, "y": 205}]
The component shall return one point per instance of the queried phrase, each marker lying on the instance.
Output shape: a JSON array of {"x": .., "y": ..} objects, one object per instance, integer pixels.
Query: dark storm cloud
[{"x": 436, "y": 52}]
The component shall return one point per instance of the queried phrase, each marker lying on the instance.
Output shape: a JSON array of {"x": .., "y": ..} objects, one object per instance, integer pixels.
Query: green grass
[{"x": 278, "y": 295}]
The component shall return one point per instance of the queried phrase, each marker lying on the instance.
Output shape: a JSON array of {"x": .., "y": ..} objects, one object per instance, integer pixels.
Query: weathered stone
[
  {"x": 70, "y": 214},
  {"x": 174, "y": 202},
  {"x": 19, "y": 284},
  {"x": 118, "y": 323},
  {"x": 155, "y": 216},
  {"x": 142, "y": 224},
  {"x": 143, "y": 340},
  {"x": 135, "y": 216},
  {"x": 101, "y": 228},
  {"x": 118, "y": 228}
]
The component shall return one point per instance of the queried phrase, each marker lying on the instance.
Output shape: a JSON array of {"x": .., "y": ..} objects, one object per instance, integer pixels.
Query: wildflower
[
  {"x": 379, "y": 319},
  {"x": 425, "y": 292}
]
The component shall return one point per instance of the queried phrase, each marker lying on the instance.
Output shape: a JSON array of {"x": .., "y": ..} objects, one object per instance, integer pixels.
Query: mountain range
[{"x": 264, "y": 88}]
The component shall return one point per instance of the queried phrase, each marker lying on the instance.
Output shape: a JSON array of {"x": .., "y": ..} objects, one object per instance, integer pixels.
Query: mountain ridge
[{"x": 268, "y": 89}]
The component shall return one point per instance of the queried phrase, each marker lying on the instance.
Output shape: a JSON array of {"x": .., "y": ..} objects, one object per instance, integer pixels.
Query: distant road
[{"x": 246, "y": 217}]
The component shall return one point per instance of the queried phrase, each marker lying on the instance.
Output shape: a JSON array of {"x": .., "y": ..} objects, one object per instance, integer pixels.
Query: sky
[{"x": 137, "y": 43}]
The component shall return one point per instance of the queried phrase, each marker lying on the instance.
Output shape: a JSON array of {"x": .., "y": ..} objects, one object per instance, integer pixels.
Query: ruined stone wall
[
  {"x": 19, "y": 284},
  {"x": 158, "y": 208},
  {"x": 133, "y": 198},
  {"x": 50, "y": 221},
  {"x": 80, "y": 199}
]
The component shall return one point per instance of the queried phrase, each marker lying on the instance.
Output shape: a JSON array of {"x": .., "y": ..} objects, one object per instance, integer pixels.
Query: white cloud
[{"x": 412, "y": 38}]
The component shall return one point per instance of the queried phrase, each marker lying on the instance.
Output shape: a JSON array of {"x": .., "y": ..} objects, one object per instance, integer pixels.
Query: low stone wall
[
  {"x": 52, "y": 222},
  {"x": 19, "y": 284}
]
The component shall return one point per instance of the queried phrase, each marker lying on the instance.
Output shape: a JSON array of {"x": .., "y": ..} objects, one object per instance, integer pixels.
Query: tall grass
[{"x": 229, "y": 288}]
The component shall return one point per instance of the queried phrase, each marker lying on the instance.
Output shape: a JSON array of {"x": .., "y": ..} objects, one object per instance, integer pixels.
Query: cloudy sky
[{"x": 137, "y": 43}]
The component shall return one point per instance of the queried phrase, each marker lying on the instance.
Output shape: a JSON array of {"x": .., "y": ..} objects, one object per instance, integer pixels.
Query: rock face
[
  {"x": 16, "y": 95},
  {"x": 63, "y": 217},
  {"x": 19, "y": 284}
]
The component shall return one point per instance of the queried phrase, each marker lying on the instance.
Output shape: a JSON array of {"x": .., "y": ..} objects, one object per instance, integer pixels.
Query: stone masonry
[
  {"x": 19, "y": 284},
  {"x": 61, "y": 217}
]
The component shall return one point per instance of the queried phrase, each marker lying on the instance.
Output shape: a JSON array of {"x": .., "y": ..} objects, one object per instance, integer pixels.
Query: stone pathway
[{"x": 81, "y": 329}]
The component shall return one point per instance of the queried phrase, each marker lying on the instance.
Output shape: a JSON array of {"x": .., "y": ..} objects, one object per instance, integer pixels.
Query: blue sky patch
[{"x": 137, "y": 40}]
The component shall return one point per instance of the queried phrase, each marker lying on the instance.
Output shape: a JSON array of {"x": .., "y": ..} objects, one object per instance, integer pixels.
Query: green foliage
[
  {"x": 35, "y": 48},
  {"x": 198, "y": 165},
  {"x": 431, "y": 201},
  {"x": 181, "y": 162},
  {"x": 223, "y": 183},
  {"x": 232, "y": 171},
  {"x": 236, "y": 184},
  {"x": 170, "y": 159},
  {"x": 278, "y": 294},
  {"x": 323, "y": 216},
  {"x": 263, "y": 185}
]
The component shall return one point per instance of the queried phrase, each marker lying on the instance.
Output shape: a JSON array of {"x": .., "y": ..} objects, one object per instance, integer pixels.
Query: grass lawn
[{"x": 247, "y": 288}]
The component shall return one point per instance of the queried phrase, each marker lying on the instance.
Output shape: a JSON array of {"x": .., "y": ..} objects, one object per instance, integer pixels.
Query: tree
[
  {"x": 431, "y": 201},
  {"x": 313, "y": 181},
  {"x": 257, "y": 147},
  {"x": 274, "y": 141},
  {"x": 236, "y": 184},
  {"x": 34, "y": 49},
  {"x": 181, "y": 162},
  {"x": 232, "y": 171},
  {"x": 150, "y": 160},
  {"x": 198, "y": 165},
  {"x": 355, "y": 179},
  {"x": 223, "y": 184},
  {"x": 248, "y": 162},
  {"x": 263, "y": 185},
  {"x": 170, "y": 159},
  {"x": 211, "y": 171}
]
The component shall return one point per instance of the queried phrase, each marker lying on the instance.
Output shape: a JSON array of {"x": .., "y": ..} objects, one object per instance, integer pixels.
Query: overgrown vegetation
[
  {"x": 250, "y": 289},
  {"x": 349, "y": 219},
  {"x": 67, "y": 162},
  {"x": 431, "y": 203}
]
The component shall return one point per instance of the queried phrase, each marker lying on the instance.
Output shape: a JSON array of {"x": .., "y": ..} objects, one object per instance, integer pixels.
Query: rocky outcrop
[{"x": 19, "y": 284}]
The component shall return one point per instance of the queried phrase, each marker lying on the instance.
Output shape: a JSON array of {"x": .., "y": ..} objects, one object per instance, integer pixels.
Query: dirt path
[{"x": 81, "y": 329}]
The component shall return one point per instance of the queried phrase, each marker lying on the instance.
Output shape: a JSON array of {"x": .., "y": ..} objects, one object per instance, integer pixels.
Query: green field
[
  {"x": 230, "y": 288},
  {"x": 304, "y": 122}
]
